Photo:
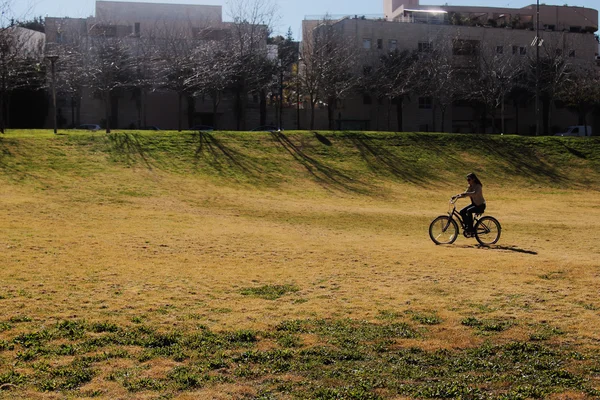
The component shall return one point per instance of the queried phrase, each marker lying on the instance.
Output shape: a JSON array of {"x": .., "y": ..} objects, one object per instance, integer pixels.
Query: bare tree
[
  {"x": 175, "y": 68},
  {"x": 71, "y": 72},
  {"x": 554, "y": 71},
  {"x": 395, "y": 78},
  {"x": 441, "y": 77},
  {"x": 212, "y": 73},
  {"x": 497, "y": 75},
  {"x": 252, "y": 22},
  {"x": 329, "y": 67},
  {"x": 581, "y": 92},
  {"x": 109, "y": 71},
  {"x": 20, "y": 64}
]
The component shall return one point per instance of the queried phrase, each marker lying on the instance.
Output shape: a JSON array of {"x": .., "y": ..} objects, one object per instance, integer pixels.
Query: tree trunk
[
  {"x": 107, "y": 110},
  {"x": 312, "y": 113},
  {"x": 443, "y": 109},
  {"x": 502, "y": 115},
  {"x": 331, "y": 113},
  {"x": 263, "y": 107},
  {"x": 216, "y": 99},
  {"x": 73, "y": 112},
  {"x": 179, "y": 111},
  {"x": 243, "y": 107},
  {"x": 545, "y": 114},
  {"x": 2, "y": 108},
  {"x": 191, "y": 106},
  {"x": 516, "y": 104},
  {"x": 400, "y": 112}
]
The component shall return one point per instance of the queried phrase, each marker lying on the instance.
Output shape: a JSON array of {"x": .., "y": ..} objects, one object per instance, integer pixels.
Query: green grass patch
[
  {"x": 344, "y": 359},
  {"x": 269, "y": 292}
]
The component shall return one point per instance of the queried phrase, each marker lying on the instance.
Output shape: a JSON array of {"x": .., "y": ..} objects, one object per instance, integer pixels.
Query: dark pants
[{"x": 467, "y": 214}]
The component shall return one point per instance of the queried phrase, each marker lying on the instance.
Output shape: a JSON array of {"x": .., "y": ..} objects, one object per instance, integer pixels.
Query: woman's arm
[{"x": 470, "y": 192}]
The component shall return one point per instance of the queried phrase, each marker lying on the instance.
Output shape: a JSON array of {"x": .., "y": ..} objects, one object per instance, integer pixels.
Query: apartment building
[
  {"x": 133, "y": 23},
  {"x": 407, "y": 25}
]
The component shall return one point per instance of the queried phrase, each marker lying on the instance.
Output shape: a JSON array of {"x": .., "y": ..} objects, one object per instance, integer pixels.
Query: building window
[
  {"x": 558, "y": 52},
  {"x": 366, "y": 43},
  {"x": 522, "y": 50},
  {"x": 572, "y": 53},
  {"x": 424, "y": 47},
  {"x": 392, "y": 45},
  {"x": 515, "y": 50},
  {"x": 425, "y": 103},
  {"x": 461, "y": 47},
  {"x": 367, "y": 99},
  {"x": 379, "y": 44},
  {"x": 499, "y": 49},
  {"x": 59, "y": 37},
  {"x": 136, "y": 29},
  {"x": 104, "y": 30}
]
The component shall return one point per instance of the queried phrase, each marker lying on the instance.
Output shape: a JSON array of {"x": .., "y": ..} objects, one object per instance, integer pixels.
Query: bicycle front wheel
[
  {"x": 443, "y": 230},
  {"x": 487, "y": 231}
]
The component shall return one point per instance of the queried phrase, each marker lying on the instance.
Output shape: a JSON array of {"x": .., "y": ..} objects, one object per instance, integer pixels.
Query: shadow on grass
[
  {"x": 574, "y": 152},
  {"x": 207, "y": 144},
  {"x": 514, "y": 249},
  {"x": 499, "y": 248},
  {"x": 323, "y": 174},
  {"x": 377, "y": 154},
  {"x": 9, "y": 164},
  {"x": 129, "y": 146},
  {"x": 521, "y": 158},
  {"x": 322, "y": 139}
]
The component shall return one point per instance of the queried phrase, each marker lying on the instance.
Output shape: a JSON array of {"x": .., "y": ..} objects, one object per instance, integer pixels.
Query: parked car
[
  {"x": 265, "y": 128},
  {"x": 203, "y": 128},
  {"x": 89, "y": 127},
  {"x": 576, "y": 130}
]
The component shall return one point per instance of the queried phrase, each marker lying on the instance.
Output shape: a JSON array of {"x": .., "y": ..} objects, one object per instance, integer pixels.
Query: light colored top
[{"x": 475, "y": 192}]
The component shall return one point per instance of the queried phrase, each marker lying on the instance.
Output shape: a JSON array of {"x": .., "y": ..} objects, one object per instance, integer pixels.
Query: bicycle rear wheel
[
  {"x": 487, "y": 231},
  {"x": 443, "y": 230}
]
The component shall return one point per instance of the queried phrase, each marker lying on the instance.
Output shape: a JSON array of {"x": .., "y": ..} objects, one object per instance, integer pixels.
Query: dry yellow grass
[
  {"x": 181, "y": 255},
  {"x": 175, "y": 251}
]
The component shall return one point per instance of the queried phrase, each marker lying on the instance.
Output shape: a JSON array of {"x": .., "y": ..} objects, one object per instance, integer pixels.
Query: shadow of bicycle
[{"x": 514, "y": 249}]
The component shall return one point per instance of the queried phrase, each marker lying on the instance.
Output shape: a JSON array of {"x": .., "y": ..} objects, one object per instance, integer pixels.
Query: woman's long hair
[{"x": 474, "y": 178}]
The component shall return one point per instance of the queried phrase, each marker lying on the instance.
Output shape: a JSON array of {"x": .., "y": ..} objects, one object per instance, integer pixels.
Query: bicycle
[{"x": 444, "y": 229}]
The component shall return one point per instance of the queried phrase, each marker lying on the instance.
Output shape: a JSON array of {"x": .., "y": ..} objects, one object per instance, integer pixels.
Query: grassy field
[{"x": 146, "y": 265}]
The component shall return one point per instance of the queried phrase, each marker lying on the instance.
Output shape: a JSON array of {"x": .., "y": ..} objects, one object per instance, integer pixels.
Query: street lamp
[
  {"x": 53, "y": 58},
  {"x": 538, "y": 43},
  {"x": 280, "y": 111}
]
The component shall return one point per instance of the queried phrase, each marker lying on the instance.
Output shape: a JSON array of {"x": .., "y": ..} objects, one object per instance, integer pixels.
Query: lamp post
[
  {"x": 537, "y": 69},
  {"x": 280, "y": 96},
  {"x": 53, "y": 59}
]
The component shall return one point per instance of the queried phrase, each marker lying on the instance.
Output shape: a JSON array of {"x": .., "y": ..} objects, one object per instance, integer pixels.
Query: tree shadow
[
  {"x": 322, "y": 139},
  {"x": 576, "y": 153},
  {"x": 380, "y": 158},
  {"x": 323, "y": 174},
  {"x": 129, "y": 146},
  {"x": 207, "y": 144},
  {"x": 522, "y": 158},
  {"x": 14, "y": 171},
  {"x": 5, "y": 153}
]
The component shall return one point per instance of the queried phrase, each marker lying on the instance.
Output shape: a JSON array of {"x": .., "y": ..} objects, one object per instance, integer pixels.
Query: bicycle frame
[{"x": 452, "y": 214}]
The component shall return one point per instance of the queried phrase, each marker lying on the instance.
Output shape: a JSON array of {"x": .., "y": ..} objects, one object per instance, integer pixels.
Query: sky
[{"x": 291, "y": 12}]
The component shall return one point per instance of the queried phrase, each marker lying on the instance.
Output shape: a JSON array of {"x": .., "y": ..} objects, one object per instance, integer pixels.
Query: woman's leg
[{"x": 467, "y": 215}]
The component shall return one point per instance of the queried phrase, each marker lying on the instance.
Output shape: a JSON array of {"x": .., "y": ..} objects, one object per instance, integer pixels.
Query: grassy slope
[
  {"x": 346, "y": 161},
  {"x": 139, "y": 264}
]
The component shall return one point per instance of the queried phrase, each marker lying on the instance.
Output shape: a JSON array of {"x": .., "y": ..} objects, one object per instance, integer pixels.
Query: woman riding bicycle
[{"x": 477, "y": 206}]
